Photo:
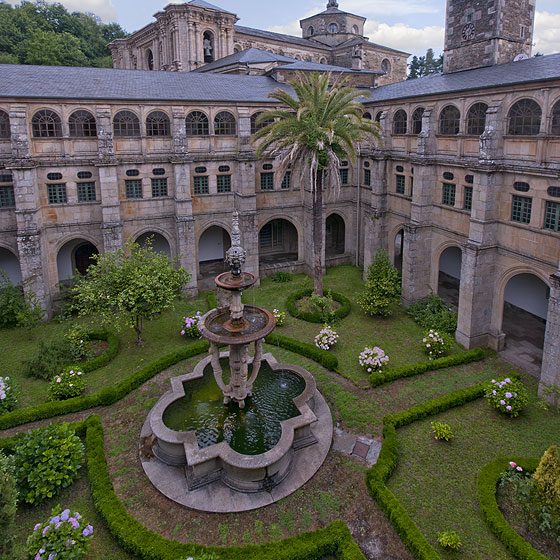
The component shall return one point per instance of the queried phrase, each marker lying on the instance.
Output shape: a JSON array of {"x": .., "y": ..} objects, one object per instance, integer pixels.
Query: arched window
[
  {"x": 333, "y": 28},
  {"x": 256, "y": 127},
  {"x": 323, "y": 60},
  {"x": 46, "y": 124},
  {"x": 449, "y": 120},
  {"x": 524, "y": 118},
  {"x": 208, "y": 46},
  {"x": 82, "y": 124},
  {"x": 366, "y": 116},
  {"x": 399, "y": 122},
  {"x": 197, "y": 124},
  {"x": 355, "y": 30},
  {"x": 224, "y": 124},
  {"x": 476, "y": 119},
  {"x": 555, "y": 125},
  {"x": 150, "y": 59},
  {"x": 157, "y": 124},
  {"x": 417, "y": 120},
  {"x": 386, "y": 66},
  {"x": 126, "y": 123},
  {"x": 4, "y": 125},
  {"x": 310, "y": 30},
  {"x": 378, "y": 116},
  {"x": 237, "y": 49}
]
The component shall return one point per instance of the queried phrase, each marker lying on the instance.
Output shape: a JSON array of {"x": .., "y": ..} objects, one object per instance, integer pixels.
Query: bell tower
[{"x": 487, "y": 32}]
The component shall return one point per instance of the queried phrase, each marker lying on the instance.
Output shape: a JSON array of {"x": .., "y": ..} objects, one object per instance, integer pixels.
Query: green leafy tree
[
  {"x": 8, "y": 507},
  {"x": 18, "y": 308},
  {"x": 128, "y": 286},
  {"x": 547, "y": 478},
  {"x": 313, "y": 132},
  {"x": 424, "y": 65},
  {"x": 414, "y": 68},
  {"x": 383, "y": 287},
  {"x": 50, "y": 48}
]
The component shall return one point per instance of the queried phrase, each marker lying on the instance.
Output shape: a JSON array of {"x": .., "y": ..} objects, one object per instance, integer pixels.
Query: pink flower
[
  {"x": 182, "y": 332},
  {"x": 508, "y": 407},
  {"x": 105, "y": 346},
  {"x": 512, "y": 464},
  {"x": 519, "y": 469}
]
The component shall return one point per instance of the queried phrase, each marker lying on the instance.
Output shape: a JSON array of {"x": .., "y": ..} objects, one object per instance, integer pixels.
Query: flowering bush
[
  {"x": 64, "y": 536},
  {"x": 435, "y": 345},
  {"x": 191, "y": 325},
  {"x": 280, "y": 317},
  {"x": 8, "y": 398},
  {"x": 507, "y": 395},
  {"x": 373, "y": 359},
  {"x": 326, "y": 338},
  {"x": 77, "y": 336},
  {"x": 66, "y": 385}
]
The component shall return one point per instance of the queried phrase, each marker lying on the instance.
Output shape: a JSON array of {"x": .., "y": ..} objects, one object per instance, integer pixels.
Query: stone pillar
[
  {"x": 110, "y": 208},
  {"x": 244, "y": 132},
  {"x": 375, "y": 235},
  {"x": 248, "y": 225},
  {"x": 427, "y": 137},
  {"x": 105, "y": 145},
  {"x": 179, "y": 131},
  {"x": 550, "y": 371},
  {"x": 18, "y": 132}
]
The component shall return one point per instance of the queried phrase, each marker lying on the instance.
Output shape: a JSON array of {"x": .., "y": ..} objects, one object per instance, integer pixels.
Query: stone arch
[
  {"x": 398, "y": 248},
  {"x": 449, "y": 264},
  {"x": 74, "y": 255},
  {"x": 160, "y": 240},
  {"x": 9, "y": 263},
  {"x": 212, "y": 245},
  {"x": 149, "y": 59},
  {"x": 208, "y": 47},
  {"x": 279, "y": 240},
  {"x": 335, "y": 235}
]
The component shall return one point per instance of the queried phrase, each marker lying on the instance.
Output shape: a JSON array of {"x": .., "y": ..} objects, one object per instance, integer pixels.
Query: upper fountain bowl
[{"x": 228, "y": 281}]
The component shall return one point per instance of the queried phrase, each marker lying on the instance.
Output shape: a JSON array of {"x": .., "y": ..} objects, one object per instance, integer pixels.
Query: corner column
[{"x": 550, "y": 371}]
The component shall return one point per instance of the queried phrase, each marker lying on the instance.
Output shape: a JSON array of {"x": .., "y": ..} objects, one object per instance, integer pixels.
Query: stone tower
[{"x": 487, "y": 32}]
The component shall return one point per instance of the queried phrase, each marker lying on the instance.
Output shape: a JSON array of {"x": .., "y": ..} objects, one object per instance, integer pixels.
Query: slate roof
[
  {"x": 310, "y": 66},
  {"x": 271, "y": 35},
  {"x": 248, "y": 56},
  {"x": 203, "y": 4}
]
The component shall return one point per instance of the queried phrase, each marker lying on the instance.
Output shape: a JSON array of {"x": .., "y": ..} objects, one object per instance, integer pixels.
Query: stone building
[{"x": 463, "y": 192}]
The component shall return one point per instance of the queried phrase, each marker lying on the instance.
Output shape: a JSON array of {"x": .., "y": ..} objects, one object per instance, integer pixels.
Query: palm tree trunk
[{"x": 318, "y": 234}]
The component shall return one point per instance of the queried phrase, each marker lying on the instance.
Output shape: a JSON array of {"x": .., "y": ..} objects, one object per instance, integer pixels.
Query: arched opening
[
  {"x": 449, "y": 275},
  {"x": 524, "y": 320},
  {"x": 159, "y": 243},
  {"x": 335, "y": 235},
  {"x": 278, "y": 242},
  {"x": 208, "y": 46},
  {"x": 150, "y": 59},
  {"x": 399, "y": 245},
  {"x": 76, "y": 255},
  {"x": 9, "y": 264},
  {"x": 212, "y": 247}
]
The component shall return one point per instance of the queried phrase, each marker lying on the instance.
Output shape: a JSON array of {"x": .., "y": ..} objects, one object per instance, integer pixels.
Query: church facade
[{"x": 463, "y": 192}]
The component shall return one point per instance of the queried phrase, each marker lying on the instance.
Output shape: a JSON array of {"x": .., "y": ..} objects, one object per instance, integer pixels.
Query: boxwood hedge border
[
  {"x": 314, "y": 316},
  {"x": 107, "y": 355}
]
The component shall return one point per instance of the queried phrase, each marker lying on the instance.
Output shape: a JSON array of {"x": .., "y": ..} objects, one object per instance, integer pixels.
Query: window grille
[
  {"x": 86, "y": 191},
  {"x": 521, "y": 209},
  {"x": 56, "y": 193},
  {"x": 133, "y": 188}
]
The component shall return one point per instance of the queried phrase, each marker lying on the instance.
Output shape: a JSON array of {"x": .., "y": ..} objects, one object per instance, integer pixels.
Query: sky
[{"x": 409, "y": 25}]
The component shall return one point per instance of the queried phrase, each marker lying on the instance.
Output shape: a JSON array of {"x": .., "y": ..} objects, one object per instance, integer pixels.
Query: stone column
[
  {"x": 244, "y": 132},
  {"x": 550, "y": 371},
  {"x": 105, "y": 144},
  {"x": 179, "y": 132},
  {"x": 375, "y": 235},
  {"x": 110, "y": 207},
  {"x": 248, "y": 225},
  {"x": 427, "y": 137},
  {"x": 18, "y": 132}
]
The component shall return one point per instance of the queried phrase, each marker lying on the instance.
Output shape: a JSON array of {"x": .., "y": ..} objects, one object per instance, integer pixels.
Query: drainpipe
[{"x": 359, "y": 160}]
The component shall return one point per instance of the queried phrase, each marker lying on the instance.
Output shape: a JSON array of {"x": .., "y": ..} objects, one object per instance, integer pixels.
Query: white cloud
[
  {"x": 105, "y": 9},
  {"x": 405, "y": 38},
  {"x": 545, "y": 35},
  {"x": 389, "y": 7}
]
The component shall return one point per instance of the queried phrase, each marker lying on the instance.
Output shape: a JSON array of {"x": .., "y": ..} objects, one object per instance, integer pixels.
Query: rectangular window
[
  {"x": 552, "y": 215},
  {"x": 224, "y": 183},
  {"x": 400, "y": 179},
  {"x": 343, "y": 176},
  {"x": 200, "y": 184},
  {"x": 133, "y": 188},
  {"x": 448, "y": 195},
  {"x": 267, "y": 181},
  {"x": 521, "y": 209},
  {"x": 7, "y": 199},
  {"x": 159, "y": 187},
  {"x": 467, "y": 203},
  {"x": 86, "y": 191},
  {"x": 367, "y": 177},
  {"x": 286, "y": 180},
  {"x": 56, "y": 193},
  {"x": 411, "y": 186}
]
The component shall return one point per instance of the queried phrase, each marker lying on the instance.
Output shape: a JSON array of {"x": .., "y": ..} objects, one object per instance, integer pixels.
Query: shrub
[
  {"x": 17, "y": 309},
  {"x": 281, "y": 277},
  {"x": 8, "y": 395},
  {"x": 433, "y": 313},
  {"x": 47, "y": 460},
  {"x": 436, "y": 345},
  {"x": 66, "y": 385},
  {"x": 77, "y": 336},
  {"x": 326, "y": 359},
  {"x": 547, "y": 478},
  {"x": 65, "y": 536},
  {"x": 49, "y": 360},
  {"x": 323, "y": 306},
  {"x": 315, "y": 316},
  {"x": 441, "y": 431},
  {"x": 373, "y": 359},
  {"x": 449, "y": 539},
  {"x": 326, "y": 338},
  {"x": 190, "y": 328},
  {"x": 280, "y": 317},
  {"x": 507, "y": 395},
  {"x": 8, "y": 506},
  {"x": 383, "y": 287}
]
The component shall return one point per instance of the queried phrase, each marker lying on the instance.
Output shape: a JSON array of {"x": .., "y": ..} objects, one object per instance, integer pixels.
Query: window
[
  {"x": 158, "y": 171},
  {"x": 521, "y": 209},
  {"x": 6, "y": 177},
  {"x": 467, "y": 202},
  {"x": 46, "y": 124},
  {"x": 522, "y": 30},
  {"x": 448, "y": 194},
  {"x": 355, "y": 29},
  {"x": 366, "y": 163},
  {"x": 386, "y": 66},
  {"x": 524, "y": 118},
  {"x": 84, "y": 174},
  {"x": 223, "y": 168},
  {"x": 267, "y": 166},
  {"x": 399, "y": 168},
  {"x": 271, "y": 235},
  {"x": 256, "y": 127},
  {"x": 157, "y": 124},
  {"x": 224, "y": 183},
  {"x": 367, "y": 177},
  {"x": 552, "y": 215},
  {"x": 81, "y": 124},
  {"x": 469, "y": 179},
  {"x": 200, "y": 169},
  {"x": 54, "y": 176},
  {"x": 224, "y": 124},
  {"x": 333, "y": 28},
  {"x": 400, "y": 184},
  {"x": 448, "y": 176},
  {"x": 366, "y": 116},
  {"x": 411, "y": 186},
  {"x": 86, "y": 191},
  {"x": 310, "y": 30},
  {"x": 132, "y": 172},
  {"x": 449, "y": 120},
  {"x": 399, "y": 122},
  {"x": 476, "y": 119},
  {"x": 150, "y": 59},
  {"x": 343, "y": 176},
  {"x": 197, "y": 124},
  {"x": 159, "y": 187},
  {"x": 267, "y": 181},
  {"x": 554, "y": 129},
  {"x": 553, "y": 191},
  {"x": 417, "y": 120},
  {"x": 133, "y": 188},
  {"x": 286, "y": 180},
  {"x": 7, "y": 199},
  {"x": 200, "y": 184},
  {"x": 378, "y": 116},
  {"x": 56, "y": 193},
  {"x": 521, "y": 186},
  {"x": 4, "y": 125}
]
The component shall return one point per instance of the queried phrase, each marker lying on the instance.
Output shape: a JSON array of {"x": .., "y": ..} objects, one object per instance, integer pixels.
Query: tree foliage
[
  {"x": 18, "y": 308},
  {"x": 8, "y": 506},
  {"x": 424, "y": 65},
  {"x": 43, "y": 33},
  {"x": 383, "y": 287},
  {"x": 547, "y": 478},
  {"x": 128, "y": 286}
]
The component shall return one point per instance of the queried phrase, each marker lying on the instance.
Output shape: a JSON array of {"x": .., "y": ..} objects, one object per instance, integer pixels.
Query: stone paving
[{"x": 356, "y": 446}]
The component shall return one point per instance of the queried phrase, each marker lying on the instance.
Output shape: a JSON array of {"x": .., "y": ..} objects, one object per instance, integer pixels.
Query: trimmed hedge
[
  {"x": 211, "y": 300},
  {"x": 418, "y": 368},
  {"x": 326, "y": 359},
  {"x": 314, "y": 316},
  {"x": 487, "y": 481},
  {"x": 108, "y": 354}
]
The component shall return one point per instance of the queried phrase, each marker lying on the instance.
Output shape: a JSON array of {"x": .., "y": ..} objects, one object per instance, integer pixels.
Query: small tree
[
  {"x": 383, "y": 287},
  {"x": 128, "y": 286},
  {"x": 547, "y": 478},
  {"x": 8, "y": 506},
  {"x": 17, "y": 308}
]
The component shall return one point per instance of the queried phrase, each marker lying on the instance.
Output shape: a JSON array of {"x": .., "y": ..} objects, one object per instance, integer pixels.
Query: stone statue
[
  {"x": 357, "y": 51},
  {"x": 332, "y": 4},
  {"x": 207, "y": 45}
]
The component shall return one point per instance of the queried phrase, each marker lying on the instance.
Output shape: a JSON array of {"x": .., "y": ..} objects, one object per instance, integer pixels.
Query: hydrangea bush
[
  {"x": 190, "y": 328},
  {"x": 507, "y": 395},
  {"x": 280, "y": 317},
  {"x": 8, "y": 397},
  {"x": 65, "y": 536},
  {"x": 77, "y": 336},
  {"x": 326, "y": 338},
  {"x": 66, "y": 385},
  {"x": 435, "y": 344},
  {"x": 373, "y": 359}
]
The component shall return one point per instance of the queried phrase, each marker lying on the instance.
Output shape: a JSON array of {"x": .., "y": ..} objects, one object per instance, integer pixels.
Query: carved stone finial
[
  {"x": 235, "y": 255},
  {"x": 332, "y": 4}
]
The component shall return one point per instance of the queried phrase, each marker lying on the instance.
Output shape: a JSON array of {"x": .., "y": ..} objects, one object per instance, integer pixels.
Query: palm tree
[{"x": 317, "y": 129}]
